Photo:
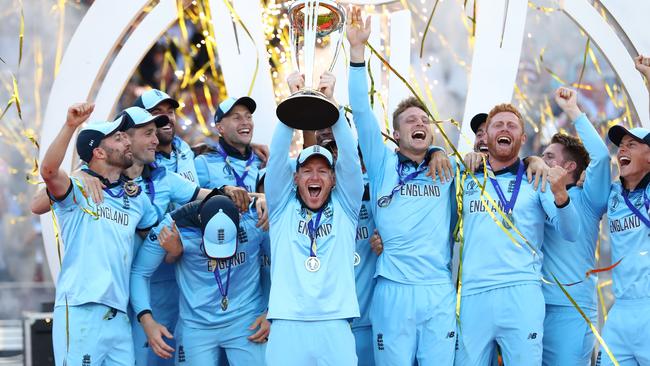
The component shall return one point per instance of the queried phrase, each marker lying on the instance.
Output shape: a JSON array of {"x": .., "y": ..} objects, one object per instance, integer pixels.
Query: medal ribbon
[
  {"x": 151, "y": 190},
  {"x": 222, "y": 290},
  {"x": 402, "y": 180},
  {"x": 312, "y": 227},
  {"x": 508, "y": 206},
  {"x": 238, "y": 179},
  {"x": 635, "y": 211}
]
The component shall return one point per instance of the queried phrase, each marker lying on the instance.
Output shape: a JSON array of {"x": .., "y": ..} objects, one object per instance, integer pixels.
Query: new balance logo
[
  {"x": 86, "y": 360},
  {"x": 181, "y": 354},
  {"x": 380, "y": 341},
  {"x": 451, "y": 334},
  {"x": 532, "y": 336}
]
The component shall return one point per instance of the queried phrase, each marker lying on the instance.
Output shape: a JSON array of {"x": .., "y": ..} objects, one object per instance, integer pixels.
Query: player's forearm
[
  {"x": 565, "y": 221},
  {"x": 278, "y": 170},
  {"x": 55, "y": 154},
  {"x": 40, "y": 202},
  {"x": 348, "y": 167},
  {"x": 357, "y": 53}
]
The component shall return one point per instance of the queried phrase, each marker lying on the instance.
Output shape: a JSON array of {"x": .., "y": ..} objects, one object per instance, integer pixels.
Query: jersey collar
[
  {"x": 105, "y": 180},
  {"x": 405, "y": 160},
  {"x": 231, "y": 151},
  {"x": 642, "y": 184}
]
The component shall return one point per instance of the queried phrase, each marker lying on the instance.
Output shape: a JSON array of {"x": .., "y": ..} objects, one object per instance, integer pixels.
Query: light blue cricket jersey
[
  {"x": 364, "y": 272},
  {"x": 265, "y": 265},
  {"x": 165, "y": 189},
  {"x": 630, "y": 240},
  {"x": 571, "y": 261},
  {"x": 416, "y": 226},
  {"x": 200, "y": 300},
  {"x": 329, "y": 293},
  {"x": 214, "y": 172},
  {"x": 98, "y": 251},
  {"x": 180, "y": 161},
  {"x": 490, "y": 259}
]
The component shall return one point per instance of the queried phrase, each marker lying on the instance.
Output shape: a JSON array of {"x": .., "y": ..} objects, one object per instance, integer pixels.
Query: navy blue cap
[
  {"x": 640, "y": 134},
  {"x": 477, "y": 121},
  {"x": 151, "y": 98},
  {"x": 229, "y": 103},
  {"x": 92, "y": 135}
]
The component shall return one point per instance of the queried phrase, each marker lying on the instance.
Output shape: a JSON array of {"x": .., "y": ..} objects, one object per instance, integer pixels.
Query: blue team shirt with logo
[
  {"x": 200, "y": 300},
  {"x": 364, "y": 272},
  {"x": 490, "y": 259},
  {"x": 98, "y": 251},
  {"x": 630, "y": 241},
  {"x": 416, "y": 226},
  {"x": 571, "y": 261},
  {"x": 214, "y": 172},
  {"x": 180, "y": 161},
  {"x": 166, "y": 189},
  {"x": 329, "y": 293}
]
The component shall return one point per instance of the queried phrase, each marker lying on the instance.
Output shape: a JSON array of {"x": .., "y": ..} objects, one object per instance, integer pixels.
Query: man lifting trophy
[{"x": 310, "y": 21}]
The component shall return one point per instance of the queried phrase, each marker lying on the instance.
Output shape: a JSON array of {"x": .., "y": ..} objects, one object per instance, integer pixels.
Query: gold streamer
[
  {"x": 426, "y": 28},
  {"x": 21, "y": 35},
  {"x": 235, "y": 16}
]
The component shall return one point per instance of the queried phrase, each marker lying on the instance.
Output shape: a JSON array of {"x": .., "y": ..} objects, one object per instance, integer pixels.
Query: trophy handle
[{"x": 338, "y": 49}]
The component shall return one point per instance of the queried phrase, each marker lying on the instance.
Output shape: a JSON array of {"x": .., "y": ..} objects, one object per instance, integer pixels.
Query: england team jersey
[
  {"x": 415, "y": 226},
  {"x": 328, "y": 293},
  {"x": 200, "y": 300},
  {"x": 97, "y": 244},
  {"x": 226, "y": 166},
  {"x": 180, "y": 161},
  {"x": 490, "y": 259},
  {"x": 630, "y": 240}
]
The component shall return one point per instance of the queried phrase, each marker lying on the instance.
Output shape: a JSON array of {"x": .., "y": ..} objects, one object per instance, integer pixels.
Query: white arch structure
[{"x": 103, "y": 61}]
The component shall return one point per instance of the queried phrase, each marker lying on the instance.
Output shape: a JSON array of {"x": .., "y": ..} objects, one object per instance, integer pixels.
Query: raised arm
[
  {"x": 279, "y": 172},
  {"x": 370, "y": 139},
  {"x": 642, "y": 64},
  {"x": 348, "y": 166},
  {"x": 57, "y": 180},
  {"x": 598, "y": 175}
]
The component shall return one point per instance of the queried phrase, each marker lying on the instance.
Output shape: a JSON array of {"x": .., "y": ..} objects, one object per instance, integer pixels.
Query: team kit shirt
[
  {"x": 201, "y": 297},
  {"x": 418, "y": 250},
  {"x": 296, "y": 293},
  {"x": 628, "y": 214},
  {"x": 227, "y": 166},
  {"x": 570, "y": 261},
  {"x": 98, "y": 244},
  {"x": 180, "y": 160},
  {"x": 364, "y": 260},
  {"x": 490, "y": 259}
]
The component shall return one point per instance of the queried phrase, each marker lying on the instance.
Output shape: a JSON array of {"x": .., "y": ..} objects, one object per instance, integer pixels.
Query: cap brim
[
  {"x": 214, "y": 250},
  {"x": 160, "y": 120}
]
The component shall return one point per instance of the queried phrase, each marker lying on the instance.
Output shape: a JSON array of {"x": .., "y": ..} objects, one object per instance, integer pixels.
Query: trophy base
[{"x": 307, "y": 110}]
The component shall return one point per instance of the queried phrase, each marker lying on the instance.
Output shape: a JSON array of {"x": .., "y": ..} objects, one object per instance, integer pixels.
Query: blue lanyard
[
  {"x": 385, "y": 200},
  {"x": 223, "y": 291},
  {"x": 635, "y": 211},
  {"x": 508, "y": 206},
  {"x": 238, "y": 179},
  {"x": 312, "y": 228},
  {"x": 151, "y": 189}
]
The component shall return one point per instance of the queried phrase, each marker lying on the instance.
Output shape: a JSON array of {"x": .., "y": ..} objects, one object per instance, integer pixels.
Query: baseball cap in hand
[
  {"x": 220, "y": 225},
  {"x": 139, "y": 117},
  {"x": 151, "y": 98},
  {"x": 229, "y": 103},
  {"x": 616, "y": 134},
  {"x": 93, "y": 133}
]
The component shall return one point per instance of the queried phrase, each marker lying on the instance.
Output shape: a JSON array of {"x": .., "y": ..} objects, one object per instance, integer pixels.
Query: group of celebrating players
[{"x": 343, "y": 256}]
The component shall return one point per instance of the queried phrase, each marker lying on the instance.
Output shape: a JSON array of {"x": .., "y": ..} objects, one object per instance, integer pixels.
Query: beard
[
  {"x": 165, "y": 138},
  {"x": 119, "y": 159}
]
